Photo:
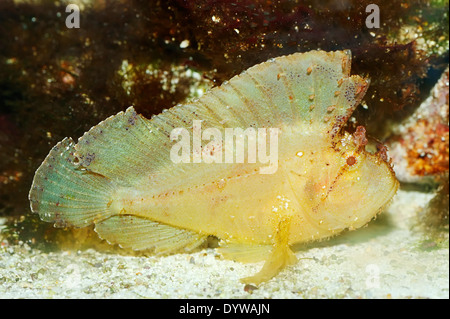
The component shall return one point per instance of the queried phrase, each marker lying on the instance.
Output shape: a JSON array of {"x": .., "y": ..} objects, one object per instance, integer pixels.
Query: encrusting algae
[{"x": 120, "y": 175}]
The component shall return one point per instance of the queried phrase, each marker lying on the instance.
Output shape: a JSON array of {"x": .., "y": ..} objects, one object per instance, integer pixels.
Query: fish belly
[{"x": 238, "y": 209}]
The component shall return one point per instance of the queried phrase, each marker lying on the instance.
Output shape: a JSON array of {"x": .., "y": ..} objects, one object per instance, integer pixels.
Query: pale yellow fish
[{"x": 121, "y": 176}]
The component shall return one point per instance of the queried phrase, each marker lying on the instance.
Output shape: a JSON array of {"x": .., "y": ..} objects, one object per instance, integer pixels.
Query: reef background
[{"x": 57, "y": 82}]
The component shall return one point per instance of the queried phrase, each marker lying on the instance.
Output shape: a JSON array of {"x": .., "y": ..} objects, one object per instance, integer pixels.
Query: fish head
[{"x": 348, "y": 184}]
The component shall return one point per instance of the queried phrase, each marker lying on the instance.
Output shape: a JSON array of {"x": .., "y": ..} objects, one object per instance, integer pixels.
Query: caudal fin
[{"x": 66, "y": 194}]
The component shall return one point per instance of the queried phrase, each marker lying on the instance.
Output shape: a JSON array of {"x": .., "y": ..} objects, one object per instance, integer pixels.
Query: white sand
[{"x": 383, "y": 260}]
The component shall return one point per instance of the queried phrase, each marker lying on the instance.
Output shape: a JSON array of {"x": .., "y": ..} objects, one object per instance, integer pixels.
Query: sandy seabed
[{"x": 386, "y": 259}]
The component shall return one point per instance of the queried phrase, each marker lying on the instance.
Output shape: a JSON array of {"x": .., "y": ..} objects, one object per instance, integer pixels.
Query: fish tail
[{"x": 67, "y": 194}]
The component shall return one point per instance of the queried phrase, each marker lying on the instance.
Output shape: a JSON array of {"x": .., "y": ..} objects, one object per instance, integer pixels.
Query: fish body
[{"x": 122, "y": 176}]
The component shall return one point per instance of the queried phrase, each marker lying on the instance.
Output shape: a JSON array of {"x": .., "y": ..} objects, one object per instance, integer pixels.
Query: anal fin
[
  {"x": 245, "y": 253},
  {"x": 139, "y": 233}
]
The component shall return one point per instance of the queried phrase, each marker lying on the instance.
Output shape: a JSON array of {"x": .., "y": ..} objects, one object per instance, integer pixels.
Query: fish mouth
[{"x": 379, "y": 152}]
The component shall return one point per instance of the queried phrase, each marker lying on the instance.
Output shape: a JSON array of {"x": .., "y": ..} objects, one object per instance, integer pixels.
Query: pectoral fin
[{"x": 280, "y": 256}]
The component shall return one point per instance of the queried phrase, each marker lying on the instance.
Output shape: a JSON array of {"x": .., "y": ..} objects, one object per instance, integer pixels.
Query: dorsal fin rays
[
  {"x": 118, "y": 146},
  {"x": 350, "y": 94},
  {"x": 132, "y": 150}
]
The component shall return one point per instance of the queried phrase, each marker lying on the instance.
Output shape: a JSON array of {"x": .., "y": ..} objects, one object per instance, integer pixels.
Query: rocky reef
[{"x": 57, "y": 82}]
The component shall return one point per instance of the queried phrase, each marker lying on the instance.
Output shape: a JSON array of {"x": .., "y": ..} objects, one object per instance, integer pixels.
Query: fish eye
[{"x": 351, "y": 160}]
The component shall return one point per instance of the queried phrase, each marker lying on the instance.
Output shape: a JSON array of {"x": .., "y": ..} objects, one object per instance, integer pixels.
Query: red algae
[{"x": 420, "y": 149}]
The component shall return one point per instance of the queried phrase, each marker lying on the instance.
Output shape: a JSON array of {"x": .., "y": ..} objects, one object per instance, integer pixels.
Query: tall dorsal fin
[{"x": 313, "y": 90}]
